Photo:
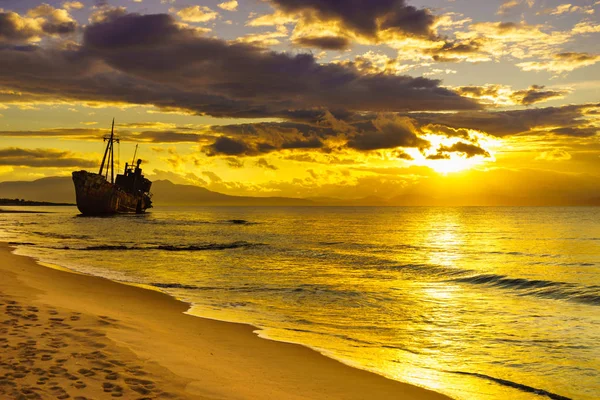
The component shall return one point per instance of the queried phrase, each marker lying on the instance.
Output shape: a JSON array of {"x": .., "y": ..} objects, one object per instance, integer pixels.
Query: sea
[{"x": 478, "y": 303}]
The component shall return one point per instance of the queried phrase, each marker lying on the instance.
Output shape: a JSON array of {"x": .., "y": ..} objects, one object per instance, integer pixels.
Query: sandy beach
[{"x": 67, "y": 335}]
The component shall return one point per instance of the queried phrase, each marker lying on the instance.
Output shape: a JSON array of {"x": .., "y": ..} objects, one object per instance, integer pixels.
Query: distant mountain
[
  {"x": 53, "y": 189},
  {"x": 61, "y": 190},
  {"x": 168, "y": 193},
  {"x": 165, "y": 193}
]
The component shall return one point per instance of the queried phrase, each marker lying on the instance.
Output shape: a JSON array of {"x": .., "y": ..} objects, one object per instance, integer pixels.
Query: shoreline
[{"x": 147, "y": 333}]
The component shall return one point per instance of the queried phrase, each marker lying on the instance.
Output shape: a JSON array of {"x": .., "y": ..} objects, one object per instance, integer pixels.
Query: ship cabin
[{"x": 132, "y": 180}]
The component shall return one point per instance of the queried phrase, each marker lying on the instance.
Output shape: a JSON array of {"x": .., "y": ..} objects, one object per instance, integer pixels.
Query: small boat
[{"x": 97, "y": 195}]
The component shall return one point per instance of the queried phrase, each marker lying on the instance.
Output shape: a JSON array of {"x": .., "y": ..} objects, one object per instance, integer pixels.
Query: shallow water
[{"x": 478, "y": 303}]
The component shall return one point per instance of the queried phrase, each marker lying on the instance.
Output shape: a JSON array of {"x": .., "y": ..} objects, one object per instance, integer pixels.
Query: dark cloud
[
  {"x": 59, "y": 28},
  {"x": 506, "y": 123},
  {"x": 229, "y": 147},
  {"x": 50, "y": 158},
  {"x": 535, "y": 94},
  {"x": 166, "y": 137},
  {"x": 438, "y": 156},
  {"x": 575, "y": 57},
  {"x": 261, "y": 138},
  {"x": 262, "y": 163},
  {"x": 365, "y": 17},
  {"x": 234, "y": 162},
  {"x": 490, "y": 93},
  {"x": 386, "y": 133},
  {"x": 150, "y": 59},
  {"x": 468, "y": 149},
  {"x": 447, "y": 131},
  {"x": 74, "y": 133},
  {"x": 456, "y": 51},
  {"x": 402, "y": 155},
  {"x": 478, "y": 91},
  {"x": 324, "y": 42},
  {"x": 381, "y": 131},
  {"x": 576, "y": 131}
]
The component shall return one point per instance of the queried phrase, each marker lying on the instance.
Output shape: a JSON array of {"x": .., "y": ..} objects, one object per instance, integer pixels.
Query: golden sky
[{"x": 455, "y": 99}]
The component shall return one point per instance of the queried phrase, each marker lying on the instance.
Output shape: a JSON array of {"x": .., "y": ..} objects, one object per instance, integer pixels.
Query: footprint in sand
[{"x": 86, "y": 372}]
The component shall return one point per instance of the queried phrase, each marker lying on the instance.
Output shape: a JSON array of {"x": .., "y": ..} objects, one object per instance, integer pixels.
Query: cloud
[
  {"x": 503, "y": 95},
  {"x": 471, "y": 50},
  {"x": 512, "y": 7},
  {"x": 576, "y": 131},
  {"x": 561, "y": 62},
  {"x": 41, "y": 21},
  {"x": 234, "y": 162},
  {"x": 72, "y": 5},
  {"x": 262, "y": 163},
  {"x": 567, "y": 8},
  {"x": 468, "y": 149},
  {"x": 584, "y": 27},
  {"x": 196, "y": 14},
  {"x": 16, "y": 29},
  {"x": 536, "y": 94},
  {"x": 554, "y": 155},
  {"x": 364, "y": 18},
  {"x": 265, "y": 39},
  {"x": 55, "y": 21},
  {"x": 151, "y": 59},
  {"x": 69, "y": 133},
  {"x": 178, "y": 135},
  {"x": 324, "y": 42},
  {"x": 229, "y": 5},
  {"x": 214, "y": 178},
  {"x": 48, "y": 158},
  {"x": 229, "y": 147},
  {"x": 359, "y": 132},
  {"x": 105, "y": 12},
  {"x": 262, "y": 138},
  {"x": 401, "y": 155},
  {"x": 170, "y": 136},
  {"x": 386, "y": 132},
  {"x": 568, "y": 120}
]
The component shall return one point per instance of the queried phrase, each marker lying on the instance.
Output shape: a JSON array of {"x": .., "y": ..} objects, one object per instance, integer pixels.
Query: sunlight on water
[{"x": 478, "y": 303}]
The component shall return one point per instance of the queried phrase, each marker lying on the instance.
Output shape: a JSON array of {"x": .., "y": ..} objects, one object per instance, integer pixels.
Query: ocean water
[{"x": 478, "y": 303}]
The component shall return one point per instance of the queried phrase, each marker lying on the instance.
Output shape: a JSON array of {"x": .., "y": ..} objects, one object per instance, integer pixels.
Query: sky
[{"x": 309, "y": 98}]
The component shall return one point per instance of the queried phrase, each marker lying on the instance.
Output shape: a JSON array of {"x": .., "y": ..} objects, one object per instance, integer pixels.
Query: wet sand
[{"x": 66, "y": 335}]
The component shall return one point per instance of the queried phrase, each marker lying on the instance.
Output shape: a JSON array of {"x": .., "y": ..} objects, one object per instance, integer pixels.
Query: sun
[{"x": 452, "y": 162}]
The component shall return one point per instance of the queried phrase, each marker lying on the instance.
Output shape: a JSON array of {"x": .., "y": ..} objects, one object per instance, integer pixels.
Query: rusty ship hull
[{"x": 96, "y": 196}]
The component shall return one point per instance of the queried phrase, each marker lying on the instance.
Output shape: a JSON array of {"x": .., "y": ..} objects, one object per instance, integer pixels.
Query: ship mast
[{"x": 111, "y": 155}]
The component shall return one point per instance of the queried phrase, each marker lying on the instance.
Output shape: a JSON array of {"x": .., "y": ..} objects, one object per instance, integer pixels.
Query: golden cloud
[
  {"x": 229, "y": 5},
  {"x": 502, "y": 95},
  {"x": 561, "y": 62},
  {"x": 196, "y": 14}
]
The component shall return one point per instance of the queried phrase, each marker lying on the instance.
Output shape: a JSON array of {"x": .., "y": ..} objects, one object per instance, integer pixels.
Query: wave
[
  {"x": 61, "y": 235},
  {"x": 168, "y": 247},
  {"x": 515, "y": 385},
  {"x": 237, "y": 222},
  {"x": 21, "y": 244},
  {"x": 175, "y": 223},
  {"x": 540, "y": 288},
  {"x": 521, "y": 254},
  {"x": 300, "y": 290},
  {"x": 182, "y": 286}
]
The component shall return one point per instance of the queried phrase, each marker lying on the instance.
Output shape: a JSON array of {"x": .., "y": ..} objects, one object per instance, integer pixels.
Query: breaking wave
[
  {"x": 168, "y": 247},
  {"x": 539, "y": 288},
  {"x": 515, "y": 385}
]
